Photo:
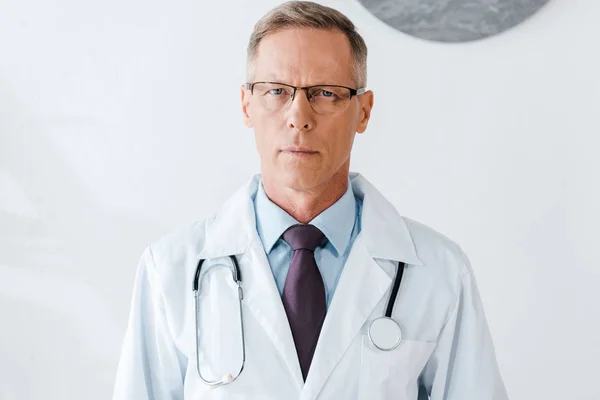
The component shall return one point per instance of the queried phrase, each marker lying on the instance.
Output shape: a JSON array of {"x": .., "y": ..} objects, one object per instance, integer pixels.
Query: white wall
[{"x": 119, "y": 121}]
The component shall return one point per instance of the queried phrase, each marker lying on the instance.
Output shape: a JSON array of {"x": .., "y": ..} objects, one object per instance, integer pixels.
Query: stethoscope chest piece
[{"x": 385, "y": 333}]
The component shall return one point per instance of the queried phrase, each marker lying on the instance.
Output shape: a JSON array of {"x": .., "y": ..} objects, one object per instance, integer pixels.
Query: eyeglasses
[{"x": 324, "y": 99}]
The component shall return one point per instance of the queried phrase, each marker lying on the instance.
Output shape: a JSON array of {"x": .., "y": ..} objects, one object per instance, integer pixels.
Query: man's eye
[
  {"x": 276, "y": 92},
  {"x": 325, "y": 94}
]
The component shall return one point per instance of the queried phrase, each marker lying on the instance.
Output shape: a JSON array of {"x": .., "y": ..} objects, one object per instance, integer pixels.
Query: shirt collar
[
  {"x": 386, "y": 234},
  {"x": 336, "y": 222}
]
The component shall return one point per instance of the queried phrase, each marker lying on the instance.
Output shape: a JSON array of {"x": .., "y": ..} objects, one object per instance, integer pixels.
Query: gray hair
[{"x": 306, "y": 14}]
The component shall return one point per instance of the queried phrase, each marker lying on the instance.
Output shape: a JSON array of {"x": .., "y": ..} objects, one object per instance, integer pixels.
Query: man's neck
[{"x": 305, "y": 205}]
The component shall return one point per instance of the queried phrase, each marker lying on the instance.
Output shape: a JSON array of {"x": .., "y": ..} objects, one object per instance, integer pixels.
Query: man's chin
[{"x": 299, "y": 179}]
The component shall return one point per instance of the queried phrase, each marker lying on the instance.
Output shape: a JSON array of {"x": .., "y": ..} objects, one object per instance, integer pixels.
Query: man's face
[{"x": 299, "y": 148}]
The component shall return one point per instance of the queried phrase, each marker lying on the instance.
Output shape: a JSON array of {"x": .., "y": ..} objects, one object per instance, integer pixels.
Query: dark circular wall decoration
[{"x": 452, "y": 20}]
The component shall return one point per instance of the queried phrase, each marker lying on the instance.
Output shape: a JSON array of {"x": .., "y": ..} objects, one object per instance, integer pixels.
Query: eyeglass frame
[{"x": 353, "y": 92}]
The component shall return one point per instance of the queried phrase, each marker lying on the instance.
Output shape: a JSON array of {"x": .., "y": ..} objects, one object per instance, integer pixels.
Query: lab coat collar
[
  {"x": 382, "y": 227},
  {"x": 233, "y": 228}
]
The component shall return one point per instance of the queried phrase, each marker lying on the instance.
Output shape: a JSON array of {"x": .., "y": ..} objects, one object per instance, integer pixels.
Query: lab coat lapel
[
  {"x": 233, "y": 231},
  {"x": 363, "y": 282},
  {"x": 262, "y": 298},
  {"x": 361, "y": 286}
]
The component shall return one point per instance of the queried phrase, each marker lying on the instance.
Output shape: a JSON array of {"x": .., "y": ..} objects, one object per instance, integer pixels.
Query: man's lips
[{"x": 298, "y": 150}]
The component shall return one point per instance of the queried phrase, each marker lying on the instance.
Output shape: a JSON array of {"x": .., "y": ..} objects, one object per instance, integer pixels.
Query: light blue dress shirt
[{"x": 340, "y": 223}]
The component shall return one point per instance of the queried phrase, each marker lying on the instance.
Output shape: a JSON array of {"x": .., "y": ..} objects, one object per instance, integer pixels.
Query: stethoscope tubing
[{"x": 237, "y": 277}]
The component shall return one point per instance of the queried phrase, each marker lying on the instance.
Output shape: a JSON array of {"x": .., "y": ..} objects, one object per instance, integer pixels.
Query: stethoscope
[{"x": 384, "y": 332}]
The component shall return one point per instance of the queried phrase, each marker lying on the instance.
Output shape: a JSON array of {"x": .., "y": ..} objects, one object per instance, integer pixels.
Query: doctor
[{"x": 318, "y": 249}]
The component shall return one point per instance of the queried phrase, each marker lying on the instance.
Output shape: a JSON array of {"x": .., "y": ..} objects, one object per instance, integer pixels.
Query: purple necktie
[{"x": 304, "y": 293}]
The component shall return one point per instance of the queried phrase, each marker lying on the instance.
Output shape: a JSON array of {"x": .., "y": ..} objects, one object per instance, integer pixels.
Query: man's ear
[
  {"x": 366, "y": 101},
  {"x": 245, "y": 105}
]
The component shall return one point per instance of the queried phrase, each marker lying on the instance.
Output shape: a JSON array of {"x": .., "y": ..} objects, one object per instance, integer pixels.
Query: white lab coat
[{"x": 446, "y": 351}]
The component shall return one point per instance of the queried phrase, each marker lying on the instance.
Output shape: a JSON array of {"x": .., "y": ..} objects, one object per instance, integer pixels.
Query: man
[{"x": 318, "y": 249}]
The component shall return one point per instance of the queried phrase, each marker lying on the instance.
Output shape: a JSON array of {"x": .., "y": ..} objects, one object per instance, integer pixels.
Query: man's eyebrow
[{"x": 317, "y": 82}]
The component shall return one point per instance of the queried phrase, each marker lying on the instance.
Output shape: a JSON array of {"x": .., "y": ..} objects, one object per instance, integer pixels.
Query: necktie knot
[{"x": 301, "y": 236}]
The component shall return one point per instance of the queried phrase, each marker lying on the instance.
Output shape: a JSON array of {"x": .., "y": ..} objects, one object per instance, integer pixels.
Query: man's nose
[{"x": 300, "y": 113}]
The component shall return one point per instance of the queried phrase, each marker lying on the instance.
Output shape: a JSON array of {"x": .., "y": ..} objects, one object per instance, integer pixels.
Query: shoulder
[
  {"x": 446, "y": 273},
  {"x": 437, "y": 251},
  {"x": 177, "y": 249}
]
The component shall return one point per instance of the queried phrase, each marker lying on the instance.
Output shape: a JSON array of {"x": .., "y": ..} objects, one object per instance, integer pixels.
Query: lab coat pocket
[{"x": 392, "y": 374}]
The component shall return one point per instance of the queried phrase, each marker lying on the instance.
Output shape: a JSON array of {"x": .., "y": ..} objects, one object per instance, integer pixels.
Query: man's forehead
[{"x": 300, "y": 53}]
